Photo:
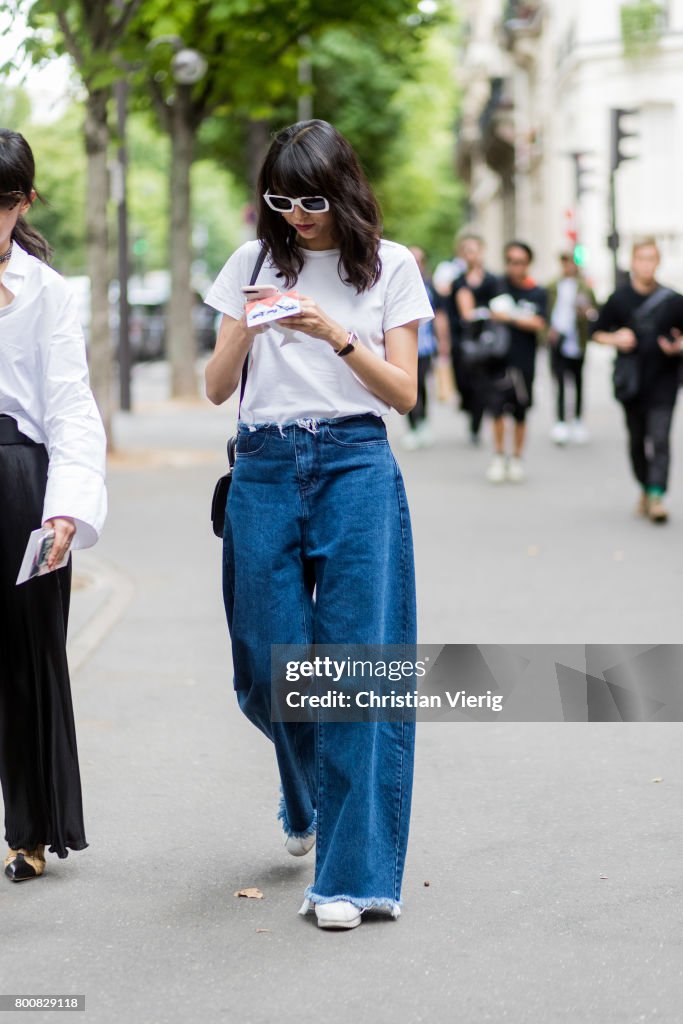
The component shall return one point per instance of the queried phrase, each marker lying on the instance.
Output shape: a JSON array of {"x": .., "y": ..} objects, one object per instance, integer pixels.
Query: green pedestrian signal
[{"x": 580, "y": 255}]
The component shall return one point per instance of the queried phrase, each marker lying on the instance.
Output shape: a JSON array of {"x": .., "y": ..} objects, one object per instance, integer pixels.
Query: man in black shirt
[
  {"x": 642, "y": 321},
  {"x": 521, "y": 306}
]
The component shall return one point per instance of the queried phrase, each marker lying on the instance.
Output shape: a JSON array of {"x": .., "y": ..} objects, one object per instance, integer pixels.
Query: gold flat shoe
[{"x": 21, "y": 865}]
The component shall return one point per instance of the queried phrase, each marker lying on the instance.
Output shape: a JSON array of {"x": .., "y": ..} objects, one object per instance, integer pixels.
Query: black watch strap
[{"x": 351, "y": 342}]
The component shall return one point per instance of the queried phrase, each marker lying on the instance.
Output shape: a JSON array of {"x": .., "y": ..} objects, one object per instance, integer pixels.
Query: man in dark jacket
[{"x": 642, "y": 320}]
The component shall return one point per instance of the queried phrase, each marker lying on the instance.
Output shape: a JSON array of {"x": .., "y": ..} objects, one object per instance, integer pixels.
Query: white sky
[{"x": 49, "y": 87}]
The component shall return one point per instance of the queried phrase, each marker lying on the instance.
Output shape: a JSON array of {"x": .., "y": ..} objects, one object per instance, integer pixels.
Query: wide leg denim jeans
[{"x": 318, "y": 548}]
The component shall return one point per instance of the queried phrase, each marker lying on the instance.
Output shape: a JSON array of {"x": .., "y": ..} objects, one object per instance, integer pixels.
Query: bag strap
[
  {"x": 652, "y": 303},
  {"x": 245, "y": 368}
]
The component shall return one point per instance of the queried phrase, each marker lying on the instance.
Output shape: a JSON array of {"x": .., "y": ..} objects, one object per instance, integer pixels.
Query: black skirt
[{"x": 41, "y": 784}]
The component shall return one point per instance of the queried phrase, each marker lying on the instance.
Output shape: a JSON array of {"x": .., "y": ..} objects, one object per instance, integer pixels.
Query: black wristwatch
[{"x": 350, "y": 345}]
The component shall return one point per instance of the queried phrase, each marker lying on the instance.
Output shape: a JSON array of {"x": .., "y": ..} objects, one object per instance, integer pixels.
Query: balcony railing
[{"x": 496, "y": 126}]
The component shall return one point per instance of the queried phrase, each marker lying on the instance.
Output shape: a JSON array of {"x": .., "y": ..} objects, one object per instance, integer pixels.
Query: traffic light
[
  {"x": 581, "y": 173},
  {"x": 618, "y": 134},
  {"x": 580, "y": 255}
]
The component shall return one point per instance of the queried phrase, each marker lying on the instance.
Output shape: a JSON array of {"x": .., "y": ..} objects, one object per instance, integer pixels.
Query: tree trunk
[
  {"x": 180, "y": 344},
  {"x": 258, "y": 141},
  {"x": 97, "y": 192}
]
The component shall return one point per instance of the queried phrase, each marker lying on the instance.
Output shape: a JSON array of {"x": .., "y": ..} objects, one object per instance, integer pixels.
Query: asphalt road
[{"x": 543, "y": 881}]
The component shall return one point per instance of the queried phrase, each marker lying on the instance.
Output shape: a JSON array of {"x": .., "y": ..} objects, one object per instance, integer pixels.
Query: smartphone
[{"x": 254, "y": 292}]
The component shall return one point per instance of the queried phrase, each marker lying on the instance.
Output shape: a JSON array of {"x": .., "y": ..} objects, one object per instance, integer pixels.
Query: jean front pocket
[
  {"x": 358, "y": 432},
  {"x": 250, "y": 442}
]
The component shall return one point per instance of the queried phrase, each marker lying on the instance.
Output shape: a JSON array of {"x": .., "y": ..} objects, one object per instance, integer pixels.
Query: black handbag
[
  {"x": 485, "y": 341},
  {"x": 626, "y": 376},
  {"x": 219, "y": 501}
]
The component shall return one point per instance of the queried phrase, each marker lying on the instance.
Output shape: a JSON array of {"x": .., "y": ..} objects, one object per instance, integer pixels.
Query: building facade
[{"x": 539, "y": 82}]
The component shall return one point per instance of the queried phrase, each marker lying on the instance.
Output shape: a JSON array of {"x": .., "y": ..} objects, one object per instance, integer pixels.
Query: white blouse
[{"x": 44, "y": 387}]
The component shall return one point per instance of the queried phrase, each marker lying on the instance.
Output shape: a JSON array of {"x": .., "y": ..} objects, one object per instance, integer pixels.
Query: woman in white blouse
[{"x": 52, "y": 464}]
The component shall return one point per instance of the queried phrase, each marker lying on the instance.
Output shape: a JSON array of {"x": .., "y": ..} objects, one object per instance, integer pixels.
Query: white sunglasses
[{"x": 310, "y": 204}]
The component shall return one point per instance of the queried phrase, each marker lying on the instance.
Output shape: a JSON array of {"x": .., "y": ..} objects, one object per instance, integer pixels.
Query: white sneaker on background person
[
  {"x": 578, "y": 432},
  {"x": 424, "y": 434},
  {"x": 515, "y": 469},
  {"x": 560, "y": 433},
  {"x": 495, "y": 474},
  {"x": 410, "y": 441}
]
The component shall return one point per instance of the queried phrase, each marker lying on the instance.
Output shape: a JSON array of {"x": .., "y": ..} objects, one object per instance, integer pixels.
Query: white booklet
[{"x": 36, "y": 555}]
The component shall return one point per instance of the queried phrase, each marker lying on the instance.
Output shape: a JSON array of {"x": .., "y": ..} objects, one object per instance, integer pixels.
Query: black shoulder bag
[
  {"x": 626, "y": 374},
  {"x": 219, "y": 501},
  {"x": 485, "y": 341}
]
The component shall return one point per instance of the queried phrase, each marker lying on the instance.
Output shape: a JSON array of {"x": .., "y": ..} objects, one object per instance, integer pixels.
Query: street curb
[{"x": 81, "y": 645}]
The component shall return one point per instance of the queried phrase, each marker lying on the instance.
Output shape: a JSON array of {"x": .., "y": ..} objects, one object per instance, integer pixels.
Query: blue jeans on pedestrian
[{"x": 317, "y": 548}]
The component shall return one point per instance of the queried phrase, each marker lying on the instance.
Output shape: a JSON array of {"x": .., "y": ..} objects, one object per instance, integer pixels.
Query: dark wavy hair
[
  {"x": 17, "y": 171},
  {"x": 311, "y": 158}
]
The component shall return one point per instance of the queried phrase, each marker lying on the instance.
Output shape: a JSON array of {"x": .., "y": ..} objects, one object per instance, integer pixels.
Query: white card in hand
[{"x": 36, "y": 555}]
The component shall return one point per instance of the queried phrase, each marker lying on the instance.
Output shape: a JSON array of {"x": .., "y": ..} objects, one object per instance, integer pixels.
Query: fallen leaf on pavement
[{"x": 252, "y": 893}]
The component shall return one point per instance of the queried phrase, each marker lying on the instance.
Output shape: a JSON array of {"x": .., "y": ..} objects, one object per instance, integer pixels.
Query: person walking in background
[
  {"x": 521, "y": 306},
  {"x": 317, "y": 545},
  {"x": 472, "y": 290},
  {"x": 642, "y": 320},
  {"x": 447, "y": 271},
  {"x": 571, "y": 309},
  {"x": 52, "y": 464},
  {"x": 419, "y": 434}
]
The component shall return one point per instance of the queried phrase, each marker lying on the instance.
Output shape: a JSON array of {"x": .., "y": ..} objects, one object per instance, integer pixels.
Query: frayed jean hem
[
  {"x": 309, "y": 423},
  {"x": 392, "y": 907},
  {"x": 282, "y": 816}
]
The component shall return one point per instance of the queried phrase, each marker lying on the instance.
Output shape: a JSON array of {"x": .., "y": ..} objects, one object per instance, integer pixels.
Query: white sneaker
[
  {"x": 560, "y": 433},
  {"x": 411, "y": 441},
  {"x": 424, "y": 434},
  {"x": 516, "y": 470},
  {"x": 338, "y": 914},
  {"x": 496, "y": 471},
  {"x": 299, "y": 846},
  {"x": 578, "y": 433}
]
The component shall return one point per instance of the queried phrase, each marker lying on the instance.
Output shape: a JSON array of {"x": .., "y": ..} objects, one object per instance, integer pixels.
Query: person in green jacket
[{"x": 571, "y": 310}]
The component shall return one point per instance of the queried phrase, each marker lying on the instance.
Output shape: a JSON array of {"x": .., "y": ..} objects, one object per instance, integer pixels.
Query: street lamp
[{"x": 187, "y": 66}]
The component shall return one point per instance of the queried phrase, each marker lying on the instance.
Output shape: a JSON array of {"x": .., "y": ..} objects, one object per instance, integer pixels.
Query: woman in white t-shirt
[
  {"x": 52, "y": 464},
  {"x": 317, "y": 546}
]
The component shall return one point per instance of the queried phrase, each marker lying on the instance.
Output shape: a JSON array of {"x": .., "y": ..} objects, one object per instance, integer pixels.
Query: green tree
[
  {"x": 361, "y": 52},
  {"x": 61, "y": 182},
  {"x": 420, "y": 194},
  {"x": 252, "y": 50},
  {"x": 90, "y": 33},
  {"x": 15, "y": 108}
]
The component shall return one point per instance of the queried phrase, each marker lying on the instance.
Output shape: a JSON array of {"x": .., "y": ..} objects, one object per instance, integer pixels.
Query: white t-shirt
[
  {"x": 292, "y": 375},
  {"x": 564, "y": 316}
]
